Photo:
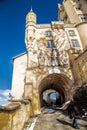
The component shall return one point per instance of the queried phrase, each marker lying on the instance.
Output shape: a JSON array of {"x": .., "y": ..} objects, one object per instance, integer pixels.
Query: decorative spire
[{"x": 31, "y": 9}]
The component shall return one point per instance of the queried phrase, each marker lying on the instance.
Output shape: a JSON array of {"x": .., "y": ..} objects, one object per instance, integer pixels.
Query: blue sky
[{"x": 12, "y": 30}]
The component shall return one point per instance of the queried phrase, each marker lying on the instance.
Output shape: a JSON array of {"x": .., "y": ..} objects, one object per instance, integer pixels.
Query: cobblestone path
[{"x": 51, "y": 119}]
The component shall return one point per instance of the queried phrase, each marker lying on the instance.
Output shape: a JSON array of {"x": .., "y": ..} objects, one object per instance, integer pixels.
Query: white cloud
[
  {"x": 0, "y": 98},
  {"x": 4, "y": 94}
]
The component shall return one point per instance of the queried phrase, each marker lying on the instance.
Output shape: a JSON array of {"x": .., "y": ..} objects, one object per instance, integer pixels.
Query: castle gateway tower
[{"x": 49, "y": 64}]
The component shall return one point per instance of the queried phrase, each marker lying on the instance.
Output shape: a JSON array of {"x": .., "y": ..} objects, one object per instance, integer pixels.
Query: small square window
[
  {"x": 72, "y": 33},
  {"x": 83, "y": 18},
  {"x": 75, "y": 43},
  {"x": 48, "y": 33},
  {"x": 50, "y": 44},
  {"x": 78, "y": 6}
]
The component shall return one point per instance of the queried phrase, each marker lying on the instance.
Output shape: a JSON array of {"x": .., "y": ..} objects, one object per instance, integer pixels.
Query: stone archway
[{"x": 59, "y": 83}]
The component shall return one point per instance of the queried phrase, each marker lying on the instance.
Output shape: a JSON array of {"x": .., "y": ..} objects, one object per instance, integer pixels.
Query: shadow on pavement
[
  {"x": 83, "y": 125},
  {"x": 64, "y": 122},
  {"x": 64, "y": 112}
]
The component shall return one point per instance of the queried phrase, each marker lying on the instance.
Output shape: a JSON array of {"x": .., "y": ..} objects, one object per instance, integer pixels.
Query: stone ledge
[
  {"x": 10, "y": 107},
  {"x": 25, "y": 101},
  {"x": 13, "y": 105}
]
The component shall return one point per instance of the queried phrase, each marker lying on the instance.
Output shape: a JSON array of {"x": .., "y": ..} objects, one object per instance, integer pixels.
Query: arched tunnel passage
[
  {"x": 52, "y": 97},
  {"x": 54, "y": 83}
]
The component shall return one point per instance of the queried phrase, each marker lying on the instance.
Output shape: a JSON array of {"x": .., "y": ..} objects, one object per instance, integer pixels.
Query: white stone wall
[{"x": 18, "y": 79}]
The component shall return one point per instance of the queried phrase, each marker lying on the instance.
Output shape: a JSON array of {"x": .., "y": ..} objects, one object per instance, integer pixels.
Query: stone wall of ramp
[
  {"x": 15, "y": 115},
  {"x": 79, "y": 69}
]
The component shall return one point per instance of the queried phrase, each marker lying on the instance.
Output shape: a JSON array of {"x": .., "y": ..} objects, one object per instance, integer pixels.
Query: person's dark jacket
[{"x": 72, "y": 110}]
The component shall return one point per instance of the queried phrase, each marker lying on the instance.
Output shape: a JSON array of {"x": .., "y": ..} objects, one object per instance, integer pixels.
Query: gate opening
[
  {"x": 52, "y": 98},
  {"x": 54, "y": 90}
]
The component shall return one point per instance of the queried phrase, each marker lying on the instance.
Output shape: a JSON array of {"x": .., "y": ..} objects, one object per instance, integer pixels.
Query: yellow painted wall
[{"x": 15, "y": 120}]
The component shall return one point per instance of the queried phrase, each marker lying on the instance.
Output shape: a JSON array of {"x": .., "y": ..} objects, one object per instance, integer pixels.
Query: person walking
[{"x": 73, "y": 113}]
